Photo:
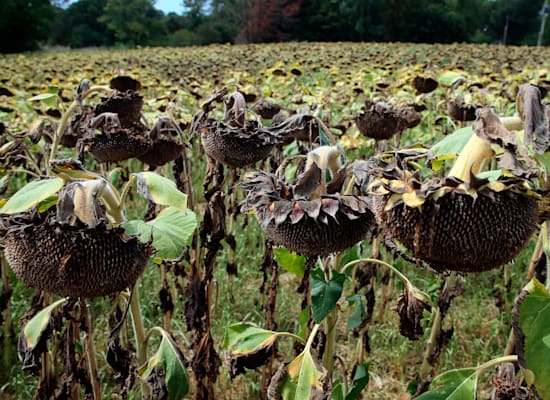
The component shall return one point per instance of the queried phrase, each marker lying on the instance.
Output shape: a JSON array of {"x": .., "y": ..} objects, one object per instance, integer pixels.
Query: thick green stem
[
  {"x": 436, "y": 328},
  {"x": 330, "y": 323},
  {"x": 140, "y": 337},
  {"x": 330, "y": 330},
  {"x": 470, "y": 158},
  {"x": 311, "y": 337}
]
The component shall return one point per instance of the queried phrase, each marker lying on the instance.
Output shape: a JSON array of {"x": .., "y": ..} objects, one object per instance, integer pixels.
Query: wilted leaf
[
  {"x": 457, "y": 384},
  {"x": 305, "y": 379},
  {"x": 250, "y": 346},
  {"x": 165, "y": 370},
  {"x": 411, "y": 310},
  {"x": 534, "y": 323},
  {"x": 325, "y": 294},
  {"x": 171, "y": 230},
  {"x": 242, "y": 338},
  {"x": 32, "y": 194},
  {"x": 290, "y": 261},
  {"x": 33, "y": 336},
  {"x": 161, "y": 190}
]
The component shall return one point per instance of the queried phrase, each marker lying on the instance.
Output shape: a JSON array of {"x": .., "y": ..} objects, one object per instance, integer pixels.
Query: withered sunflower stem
[
  {"x": 7, "y": 325},
  {"x": 167, "y": 316},
  {"x": 471, "y": 158},
  {"x": 435, "y": 331},
  {"x": 140, "y": 337},
  {"x": 90, "y": 352}
]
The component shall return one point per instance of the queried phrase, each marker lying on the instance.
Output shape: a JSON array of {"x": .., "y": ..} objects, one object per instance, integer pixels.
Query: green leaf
[
  {"x": 359, "y": 313},
  {"x": 534, "y": 321},
  {"x": 160, "y": 190},
  {"x": 325, "y": 295},
  {"x": 167, "y": 365},
  {"x": 49, "y": 99},
  {"x": 32, "y": 194},
  {"x": 171, "y": 230},
  {"x": 36, "y": 326},
  {"x": 449, "y": 77},
  {"x": 244, "y": 338},
  {"x": 360, "y": 381},
  {"x": 457, "y": 384},
  {"x": 290, "y": 261},
  {"x": 453, "y": 143},
  {"x": 338, "y": 390}
]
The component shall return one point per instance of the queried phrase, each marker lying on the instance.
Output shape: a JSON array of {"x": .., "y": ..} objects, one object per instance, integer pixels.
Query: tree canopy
[{"x": 27, "y": 25}]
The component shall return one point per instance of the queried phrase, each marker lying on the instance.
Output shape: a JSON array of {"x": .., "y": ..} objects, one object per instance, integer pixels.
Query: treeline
[{"x": 30, "y": 24}]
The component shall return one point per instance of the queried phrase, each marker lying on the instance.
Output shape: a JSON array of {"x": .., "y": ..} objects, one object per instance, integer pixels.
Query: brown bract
[
  {"x": 69, "y": 260},
  {"x": 327, "y": 224}
]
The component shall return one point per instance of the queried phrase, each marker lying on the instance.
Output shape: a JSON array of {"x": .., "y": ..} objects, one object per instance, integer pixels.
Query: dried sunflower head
[
  {"x": 115, "y": 132},
  {"x": 72, "y": 260},
  {"x": 460, "y": 222},
  {"x": 381, "y": 121},
  {"x": 309, "y": 216},
  {"x": 424, "y": 84},
  {"x": 166, "y": 143},
  {"x": 233, "y": 140}
]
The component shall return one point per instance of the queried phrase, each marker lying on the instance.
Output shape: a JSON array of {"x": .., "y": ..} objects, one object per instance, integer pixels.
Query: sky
[{"x": 169, "y": 5}]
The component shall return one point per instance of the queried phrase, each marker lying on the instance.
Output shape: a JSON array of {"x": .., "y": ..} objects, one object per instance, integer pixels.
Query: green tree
[
  {"x": 515, "y": 21},
  {"x": 134, "y": 22},
  {"x": 23, "y": 24},
  {"x": 79, "y": 25}
]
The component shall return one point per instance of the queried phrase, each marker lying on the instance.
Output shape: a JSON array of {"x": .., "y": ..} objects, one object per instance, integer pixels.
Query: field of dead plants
[{"x": 283, "y": 221}]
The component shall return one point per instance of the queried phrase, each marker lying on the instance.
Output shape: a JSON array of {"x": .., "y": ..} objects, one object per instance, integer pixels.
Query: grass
[{"x": 181, "y": 79}]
